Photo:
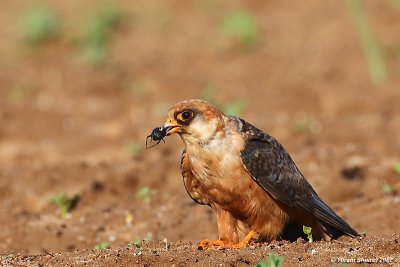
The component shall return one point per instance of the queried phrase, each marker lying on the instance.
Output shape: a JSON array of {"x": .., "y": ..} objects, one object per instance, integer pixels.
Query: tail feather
[{"x": 334, "y": 225}]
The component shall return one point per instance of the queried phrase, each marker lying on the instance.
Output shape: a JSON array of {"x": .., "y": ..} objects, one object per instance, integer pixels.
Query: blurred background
[{"x": 82, "y": 83}]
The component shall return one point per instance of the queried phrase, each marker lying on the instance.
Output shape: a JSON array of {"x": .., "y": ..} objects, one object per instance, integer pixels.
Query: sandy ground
[{"x": 67, "y": 126}]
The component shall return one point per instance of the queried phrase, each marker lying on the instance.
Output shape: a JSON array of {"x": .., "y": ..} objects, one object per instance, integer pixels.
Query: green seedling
[
  {"x": 272, "y": 261},
  {"x": 98, "y": 34},
  {"x": 39, "y": 25},
  {"x": 306, "y": 124},
  {"x": 235, "y": 108},
  {"x": 372, "y": 50},
  {"x": 308, "y": 231},
  {"x": 148, "y": 237},
  {"x": 208, "y": 94},
  {"x": 145, "y": 194},
  {"x": 64, "y": 203},
  {"x": 303, "y": 125},
  {"x": 396, "y": 168},
  {"x": 135, "y": 149},
  {"x": 138, "y": 243},
  {"x": 388, "y": 189},
  {"x": 102, "y": 245},
  {"x": 241, "y": 25}
]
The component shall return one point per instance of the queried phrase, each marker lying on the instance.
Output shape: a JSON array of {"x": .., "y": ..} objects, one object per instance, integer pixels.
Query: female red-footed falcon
[{"x": 247, "y": 177}]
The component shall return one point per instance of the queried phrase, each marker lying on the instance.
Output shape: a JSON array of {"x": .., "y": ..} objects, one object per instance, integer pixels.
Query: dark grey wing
[
  {"x": 273, "y": 169},
  {"x": 192, "y": 185}
]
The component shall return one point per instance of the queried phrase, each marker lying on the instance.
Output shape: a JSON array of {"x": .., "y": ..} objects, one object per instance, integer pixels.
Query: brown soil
[
  {"x": 69, "y": 127},
  {"x": 382, "y": 250}
]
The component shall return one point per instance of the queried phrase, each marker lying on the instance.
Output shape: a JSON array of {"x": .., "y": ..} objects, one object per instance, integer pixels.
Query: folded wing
[{"x": 272, "y": 168}]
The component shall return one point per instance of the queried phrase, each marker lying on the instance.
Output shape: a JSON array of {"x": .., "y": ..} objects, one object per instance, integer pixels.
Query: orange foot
[{"x": 219, "y": 244}]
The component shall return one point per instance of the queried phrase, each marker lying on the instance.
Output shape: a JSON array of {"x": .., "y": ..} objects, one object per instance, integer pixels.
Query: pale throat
[{"x": 201, "y": 133}]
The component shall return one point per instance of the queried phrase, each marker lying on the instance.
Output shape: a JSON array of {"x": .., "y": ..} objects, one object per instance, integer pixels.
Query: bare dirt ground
[{"x": 68, "y": 126}]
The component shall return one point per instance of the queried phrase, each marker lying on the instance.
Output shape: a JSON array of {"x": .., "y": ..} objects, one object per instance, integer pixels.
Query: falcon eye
[{"x": 185, "y": 115}]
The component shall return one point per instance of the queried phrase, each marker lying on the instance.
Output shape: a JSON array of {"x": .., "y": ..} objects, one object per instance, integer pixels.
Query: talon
[
  {"x": 210, "y": 244},
  {"x": 245, "y": 240}
]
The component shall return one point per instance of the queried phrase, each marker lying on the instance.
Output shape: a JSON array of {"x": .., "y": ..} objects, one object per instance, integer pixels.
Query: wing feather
[{"x": 273, "y": 169}]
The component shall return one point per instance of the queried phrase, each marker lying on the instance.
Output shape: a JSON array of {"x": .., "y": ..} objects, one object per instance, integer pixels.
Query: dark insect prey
[{"x": 157, "y": 134}]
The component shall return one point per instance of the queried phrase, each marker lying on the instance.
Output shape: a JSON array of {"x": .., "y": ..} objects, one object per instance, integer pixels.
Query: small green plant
[
  {"x": 396, "y": 168},
  {"x": 135, "y": 149},
  {"x": 38, "y": 25},
  {"x": 102, "y": 245},
  {"x": 138, "y": 243},
  {"x": 308, "y": 231},
  {"x": 242, "y": 26},
  {"x": 144, "y": 194},
  {"x": 372, "y": 50},
  {"x": 208, "y": 94},
  {"x": 98, "y": 34},
  {"x": 64, "y": 203},
  {"x": 305, "y": 124},
  {"x": 148, "y": 237},
  {"x": 235, "y": 108},
  {"x": 302, "y": 125},
  {"x": 388, "y": 189},
  {"x": 272, "y": 261}
]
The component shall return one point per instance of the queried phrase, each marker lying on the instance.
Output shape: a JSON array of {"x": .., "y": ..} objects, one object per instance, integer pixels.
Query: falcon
[{"x": 247, "y": 177}]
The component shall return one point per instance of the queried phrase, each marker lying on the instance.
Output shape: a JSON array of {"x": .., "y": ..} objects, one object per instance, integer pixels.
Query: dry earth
[{"x": 70, "y": 127}]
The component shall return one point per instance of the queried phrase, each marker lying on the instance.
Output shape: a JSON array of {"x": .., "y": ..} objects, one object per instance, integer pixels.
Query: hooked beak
[{"x": 171, "y": 127}]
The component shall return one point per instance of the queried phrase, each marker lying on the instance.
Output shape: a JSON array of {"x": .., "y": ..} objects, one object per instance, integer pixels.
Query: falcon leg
[
  {"x": 212, "y": 244},
  {"x": 242, "y": 242}
]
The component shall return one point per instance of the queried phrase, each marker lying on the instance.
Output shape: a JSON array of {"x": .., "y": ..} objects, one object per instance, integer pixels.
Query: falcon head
[{"x": 194, "y": 120}]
